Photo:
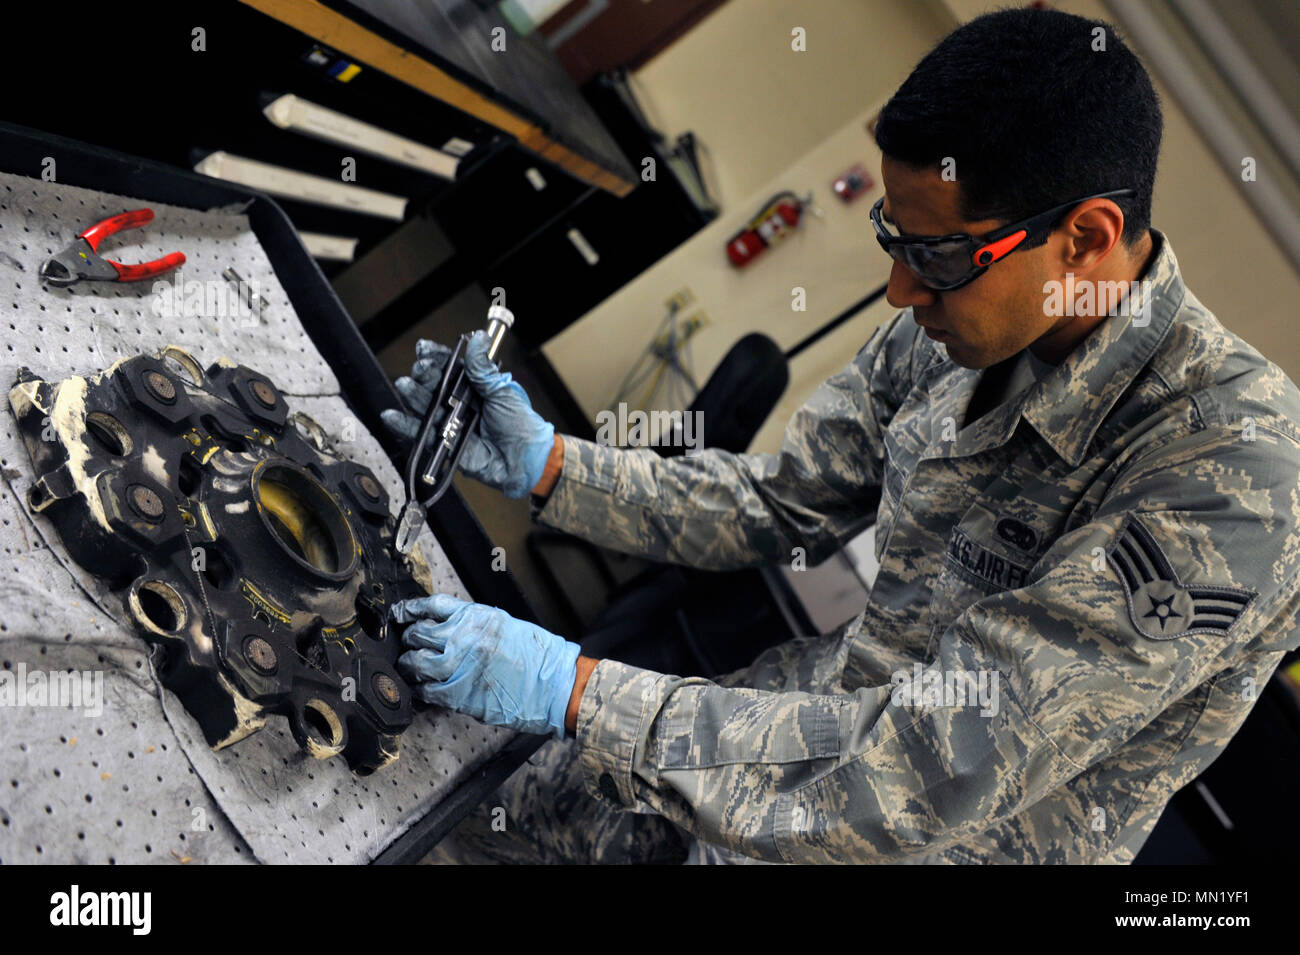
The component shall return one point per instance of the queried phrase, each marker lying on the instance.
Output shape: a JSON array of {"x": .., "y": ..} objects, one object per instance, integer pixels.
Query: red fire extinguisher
[{"x": 779, "y": 217}]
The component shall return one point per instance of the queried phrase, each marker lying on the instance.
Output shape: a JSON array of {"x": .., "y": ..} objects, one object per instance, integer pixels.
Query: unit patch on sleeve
[{"x": 1158, "y": 604}]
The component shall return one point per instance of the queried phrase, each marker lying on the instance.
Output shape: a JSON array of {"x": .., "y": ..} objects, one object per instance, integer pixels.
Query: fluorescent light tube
[
  {"x": 291, "y": 184},
  {"x": 291, "y": 112},
  {"x": 337, "y": 248}
]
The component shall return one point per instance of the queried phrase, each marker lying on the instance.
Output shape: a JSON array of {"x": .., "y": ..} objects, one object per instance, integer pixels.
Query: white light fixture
[
  {"x": 292, "y": 113},
  {"x": 335, "y": 248},
  {"x": 291, "y": 184}
]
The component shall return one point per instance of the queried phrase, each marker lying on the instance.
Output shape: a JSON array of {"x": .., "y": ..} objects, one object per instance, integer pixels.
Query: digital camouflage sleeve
[{"x": 1080, "y": 595}]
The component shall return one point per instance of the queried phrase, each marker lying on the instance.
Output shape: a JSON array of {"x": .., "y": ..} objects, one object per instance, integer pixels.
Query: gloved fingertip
[
  {"x": 478, "y": 365},
  {"x": 476, "y": 461},
  {"x": 428, "y": 693},
  {"x": 444, "y": 605},
  {"x": 437, "y": 606},
  {"x": 408, "y": 665},
  {"x": 405, "y": 611},
  {"x": 425, "y": 634},
  {"x": 425, "y": 665},
  {"x": 399, "y": 422}
]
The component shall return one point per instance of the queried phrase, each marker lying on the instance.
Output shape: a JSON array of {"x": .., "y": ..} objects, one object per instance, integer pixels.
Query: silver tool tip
[{"x": 409, "y": 526}]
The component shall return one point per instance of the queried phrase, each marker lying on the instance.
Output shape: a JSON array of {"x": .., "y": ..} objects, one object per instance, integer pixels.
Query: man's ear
[{"x": 1092, "y": 229}]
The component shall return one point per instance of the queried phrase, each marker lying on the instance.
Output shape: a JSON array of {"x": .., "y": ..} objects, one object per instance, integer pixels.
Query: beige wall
[
  {"x": 791, "y": 131},
  {"x": 757, "y": 105}
]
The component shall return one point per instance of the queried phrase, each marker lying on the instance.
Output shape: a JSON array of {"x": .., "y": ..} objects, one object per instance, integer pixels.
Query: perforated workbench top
[{"x": 137, "y": 783}]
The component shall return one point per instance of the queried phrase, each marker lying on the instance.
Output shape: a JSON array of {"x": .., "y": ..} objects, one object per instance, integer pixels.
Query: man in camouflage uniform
[{"x": 1089, "y": 566}]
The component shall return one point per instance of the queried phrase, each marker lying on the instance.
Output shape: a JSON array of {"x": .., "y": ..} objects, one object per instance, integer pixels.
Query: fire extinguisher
[{"x": 779, "y": 217}]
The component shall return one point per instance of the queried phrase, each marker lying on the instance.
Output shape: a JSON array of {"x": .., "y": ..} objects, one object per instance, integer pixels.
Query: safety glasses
[{"x": 947, "y": 262}]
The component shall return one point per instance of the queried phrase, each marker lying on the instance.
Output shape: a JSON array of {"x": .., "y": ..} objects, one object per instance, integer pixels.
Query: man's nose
[{"x": 906, "y": 289}]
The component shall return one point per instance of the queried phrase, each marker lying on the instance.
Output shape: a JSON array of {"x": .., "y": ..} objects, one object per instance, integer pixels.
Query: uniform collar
[
  {"x": 1070, "y": 403},
  {"x": 1067, "y": 406}
]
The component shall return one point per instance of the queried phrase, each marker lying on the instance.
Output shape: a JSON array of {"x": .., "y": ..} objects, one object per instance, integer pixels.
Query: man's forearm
[
  {"x": 585, "y": 666},
  {"x": 551, "y": 472}
]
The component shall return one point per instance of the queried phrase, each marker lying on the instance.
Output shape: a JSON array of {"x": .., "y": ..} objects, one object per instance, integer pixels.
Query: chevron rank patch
[{"x": 1158, "y": 604}]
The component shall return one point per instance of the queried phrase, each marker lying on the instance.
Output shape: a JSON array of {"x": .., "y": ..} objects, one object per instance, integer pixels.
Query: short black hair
[{"x": 1036, "y": 108}]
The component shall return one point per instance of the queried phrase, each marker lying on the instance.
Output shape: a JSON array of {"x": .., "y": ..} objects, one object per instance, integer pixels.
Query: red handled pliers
[{"x": 80, "y": 262}]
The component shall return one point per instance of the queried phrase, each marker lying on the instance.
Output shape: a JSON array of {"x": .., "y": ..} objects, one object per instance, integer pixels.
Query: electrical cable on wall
[{"x": 666, "y": 364}]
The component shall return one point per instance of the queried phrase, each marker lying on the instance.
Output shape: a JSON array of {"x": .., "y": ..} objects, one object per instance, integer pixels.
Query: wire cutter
[{"x": 81, "y": 262}]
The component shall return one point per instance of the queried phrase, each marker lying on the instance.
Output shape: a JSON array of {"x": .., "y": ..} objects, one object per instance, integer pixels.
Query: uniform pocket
[
  {"x": 972, "y": 570},
  {"x": 748, "y": 726}
]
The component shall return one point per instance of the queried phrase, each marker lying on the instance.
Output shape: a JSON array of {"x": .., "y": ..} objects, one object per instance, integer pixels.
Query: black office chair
[{"x": 740, "y": 394}]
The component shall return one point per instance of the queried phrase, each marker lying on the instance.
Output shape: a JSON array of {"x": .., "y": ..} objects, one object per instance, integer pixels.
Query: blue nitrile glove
[
  {"x": 508, "y": 448},
  {"x": 481, "y": 661}
]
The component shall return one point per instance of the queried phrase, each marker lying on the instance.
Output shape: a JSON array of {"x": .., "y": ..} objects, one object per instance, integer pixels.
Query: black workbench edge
[{"x": 415, "y": 843}]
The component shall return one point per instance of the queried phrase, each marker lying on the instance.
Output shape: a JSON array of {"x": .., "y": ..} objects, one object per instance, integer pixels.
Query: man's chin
[{"x": 958, "y": 354}]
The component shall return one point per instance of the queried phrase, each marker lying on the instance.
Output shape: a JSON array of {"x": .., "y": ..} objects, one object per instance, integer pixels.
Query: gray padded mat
[{"x": 137, "y": 783}]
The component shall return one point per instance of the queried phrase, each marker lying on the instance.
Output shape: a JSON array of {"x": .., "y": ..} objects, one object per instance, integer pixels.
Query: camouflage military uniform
[{"x": 1115, "y": 550}]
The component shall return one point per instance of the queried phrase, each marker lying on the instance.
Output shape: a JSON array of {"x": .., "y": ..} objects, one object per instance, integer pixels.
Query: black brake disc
[{"x": 259, "y": 561}]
